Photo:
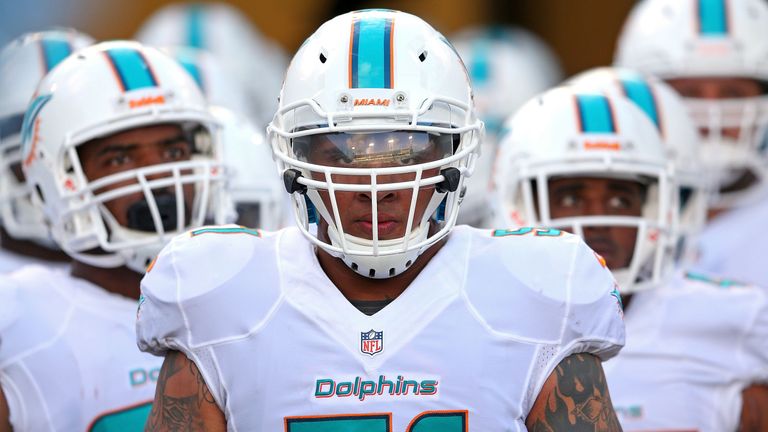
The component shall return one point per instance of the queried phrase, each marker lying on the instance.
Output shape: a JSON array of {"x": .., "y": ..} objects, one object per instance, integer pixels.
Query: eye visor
[{"x": 374, "y": 150}]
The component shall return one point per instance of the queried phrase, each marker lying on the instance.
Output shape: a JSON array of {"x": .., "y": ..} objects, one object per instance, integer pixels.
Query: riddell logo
[
  {"x": 371, "y": 101},
  {"x": 148, "y": 100}
]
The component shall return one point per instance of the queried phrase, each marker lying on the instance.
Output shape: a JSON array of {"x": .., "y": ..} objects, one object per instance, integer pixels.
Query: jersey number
[
  {"x": 428, "y": 421},
  {"x": 538, "y": 232}
]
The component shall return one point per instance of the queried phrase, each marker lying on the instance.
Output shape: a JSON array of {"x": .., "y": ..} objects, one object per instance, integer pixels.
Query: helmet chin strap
[{"x": 387, "y": 264}]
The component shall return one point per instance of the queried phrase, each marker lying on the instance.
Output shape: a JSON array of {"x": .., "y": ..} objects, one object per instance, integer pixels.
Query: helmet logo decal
[
  {"x": 594, "y": 114},
  {"x": 148, "y": 100},
  {"x": 602, "y": 145},
  {"x": 372, "y": 101},
  {"x": 712, "y": 17},
  {"x": 31, "y": 127},
  {"x": 131, "y": 69},
  {"x": 371, "y": 53},
  {"x": 54, "y": 51}
]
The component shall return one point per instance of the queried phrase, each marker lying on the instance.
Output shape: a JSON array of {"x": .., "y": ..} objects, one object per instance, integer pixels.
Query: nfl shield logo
[{"x": 371, "y": 342}]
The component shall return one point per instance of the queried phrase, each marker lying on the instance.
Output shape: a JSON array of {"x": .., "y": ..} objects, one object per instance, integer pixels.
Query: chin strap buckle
[
  {"x": 451, "y": 179},
  {"x": 291, "y": 181}
]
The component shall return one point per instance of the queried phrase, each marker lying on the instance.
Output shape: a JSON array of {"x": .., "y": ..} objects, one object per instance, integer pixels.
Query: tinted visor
[{"x": 374, "y": 150}]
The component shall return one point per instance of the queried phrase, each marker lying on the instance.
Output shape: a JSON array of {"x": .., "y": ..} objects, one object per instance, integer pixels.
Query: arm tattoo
[
  {"x": 180, "y": 398},
  {"x": 574, "y": 398}
]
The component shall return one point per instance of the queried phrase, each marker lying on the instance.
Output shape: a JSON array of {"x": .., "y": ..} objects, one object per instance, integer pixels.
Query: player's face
[
  {"x": 716, "y": 88},
  {"x": 132, "y": 149},
  {"x": 377, "y": 150},
  {"x": 571, "y": 197}
]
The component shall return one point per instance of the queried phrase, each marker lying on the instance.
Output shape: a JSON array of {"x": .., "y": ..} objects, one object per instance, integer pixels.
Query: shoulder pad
[{"x": 207, "y": 285}]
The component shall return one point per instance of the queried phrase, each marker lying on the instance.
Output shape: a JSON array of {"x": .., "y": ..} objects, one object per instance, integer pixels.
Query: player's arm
[
  {"x": 754, "y": 409},
  {"x": 574, "y": 398},
  {"x": 5, "y": 414},
  {"x": 182, "y": 399}
]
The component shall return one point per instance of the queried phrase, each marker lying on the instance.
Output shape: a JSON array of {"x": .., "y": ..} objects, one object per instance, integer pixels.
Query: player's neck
[
  {"x": 120, "y": 280},
  {"x": 30, "y": 248},
  {"x": 356, "y": 287}
]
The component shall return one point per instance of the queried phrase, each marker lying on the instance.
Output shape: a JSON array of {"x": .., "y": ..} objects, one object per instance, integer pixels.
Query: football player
[
  {"x": 715, "y": 54},
  {"x": 255, "y": 61},
  {"x": 507, "y": 66},
  {"x": 375, "y": 313},
  {"x": 694, "y": 343},
  {"x": 24, "y": 237},
  {"x": 121, "y": 153}
]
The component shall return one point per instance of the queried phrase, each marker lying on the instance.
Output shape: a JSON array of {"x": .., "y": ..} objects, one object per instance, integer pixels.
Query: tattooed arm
[
  {"x": 754, "y": 409},
  {"x": 183, "y": 401},
  {"x": 5, "y": 415},
  {"x": 574, "y": 398}
]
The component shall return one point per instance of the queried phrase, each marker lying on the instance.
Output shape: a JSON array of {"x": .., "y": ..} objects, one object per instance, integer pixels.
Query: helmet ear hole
[
  {"x": 323, "y": 59},
  {"x": 423, "y": 56}
]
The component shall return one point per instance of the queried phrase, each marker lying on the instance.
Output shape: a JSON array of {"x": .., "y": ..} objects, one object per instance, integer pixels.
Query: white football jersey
[
  {"x": 734, "y": 243},
  {"x": 466, "y": 347},
  {"x": 692, "y": 346},
  {"x": 68, "y": 356}
]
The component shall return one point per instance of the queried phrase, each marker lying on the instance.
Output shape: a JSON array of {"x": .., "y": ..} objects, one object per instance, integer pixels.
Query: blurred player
[
  {"x": 255, "y": 61},
  {"x": 507, "y": 66},
  {"x": 121, "y": 153},
  {"x": 24, "y": 237},
  {"x": 694, "y": 343},
  {"x": 715, "y": 54},
  {"x": 253, "y": 185},
  {"x": 373, "y": 314}
]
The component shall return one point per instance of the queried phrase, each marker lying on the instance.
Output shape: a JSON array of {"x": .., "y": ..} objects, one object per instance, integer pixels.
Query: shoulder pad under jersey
[{"x": 209, "y": 285}]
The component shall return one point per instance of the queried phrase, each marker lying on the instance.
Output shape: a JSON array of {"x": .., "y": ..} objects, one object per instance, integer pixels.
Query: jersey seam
[
  {"x": 742, "y": 339},
  {"x": 9, "y": 387},
  {"x": 38, "y": 392},
  {"x": 568, "y": 292}
]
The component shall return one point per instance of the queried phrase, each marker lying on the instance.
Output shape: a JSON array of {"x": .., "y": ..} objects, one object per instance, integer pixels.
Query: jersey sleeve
[{"x": 206, "y": 286}]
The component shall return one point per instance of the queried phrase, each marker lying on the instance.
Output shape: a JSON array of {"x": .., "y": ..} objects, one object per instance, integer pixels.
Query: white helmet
[
  {"x": 708, "y": 38},
  {"x": 384, "y": 88},
  {"x": 23, "y": 63},
  {"x": 567, "y": 132},
  {"x": 254, "y": 183},
  {"x": 106, "y": 89},
  {"x": 255, "y": 61},
  {"x": 217, "y": 83},
  {"x": 507, "y": 66},
  {"x": 668, "y": 112}
]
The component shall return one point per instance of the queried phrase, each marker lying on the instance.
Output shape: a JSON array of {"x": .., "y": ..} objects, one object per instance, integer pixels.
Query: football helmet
[
  {"x": 507, "y": 66},
  {"x": 668, "y": 112},
  {"x": 255, "y": 61},
  {"x": 567, "y": 132},
  {"x": 703, "y": 39},
  {"x": 23, "y": 63},
  {"x": 381, "y": 96},
  {"x": 106, "y": 89},
  {"x": 254, "y": 182}
]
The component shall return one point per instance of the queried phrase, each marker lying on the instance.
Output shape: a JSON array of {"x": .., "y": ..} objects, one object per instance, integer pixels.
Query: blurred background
[{"x": 582, "y": 33}]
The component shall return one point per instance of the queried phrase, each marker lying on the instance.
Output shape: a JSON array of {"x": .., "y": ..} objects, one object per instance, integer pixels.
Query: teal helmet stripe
[
  {"x": 192, "y": 68},
  {"x": 595, "y": 114},
  {"x": 195, "y": 26},
  {"x": 131, "y": 68},
  {"x": 479, "y": 62},
  {"x": 54, "y": 51},
  {"x": 637, "y": 90},
  {"x": 713, "y": 17},
  {"x": 371, "y": 53}
]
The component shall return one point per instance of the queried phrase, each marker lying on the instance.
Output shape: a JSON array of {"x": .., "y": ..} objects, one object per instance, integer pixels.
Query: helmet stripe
[
  {"x": 479, "y": 65},
  {"x": 713, "y": 19},
  {"x": 195, "y": 26},
  {"x": 190, "y": 65},
  {"x": 132, "y": 69},
  {"x": 638, "y": 91},
  {"x": 371, "y": 53},
  {"x": 595, "y": 114},
  {"x": 54, "y": 51}
]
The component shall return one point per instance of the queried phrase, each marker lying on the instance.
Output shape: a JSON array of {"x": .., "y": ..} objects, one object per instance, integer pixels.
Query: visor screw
[
  {"x": 291, "y": 181},
  {"x": 344, "y": 99},
  {"x": 400, "y": 97}
]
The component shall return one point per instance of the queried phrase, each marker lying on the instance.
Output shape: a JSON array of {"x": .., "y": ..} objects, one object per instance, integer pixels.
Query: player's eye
[
  {"x": 617, "y": 202},
  {"x": 568, "y": 201},
  {"x": 177, "y": 152},
  {"x": 117, "y": 160}
]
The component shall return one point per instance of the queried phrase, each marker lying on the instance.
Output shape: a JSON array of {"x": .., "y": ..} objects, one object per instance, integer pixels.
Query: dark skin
[
  {"x": 119, "y": 152},
  {"x": 5, "y": 424},
  {"x": 754, "y": 409},
  {"x": 714, "y": 88},
  {"x": 564, "y": 389}
]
